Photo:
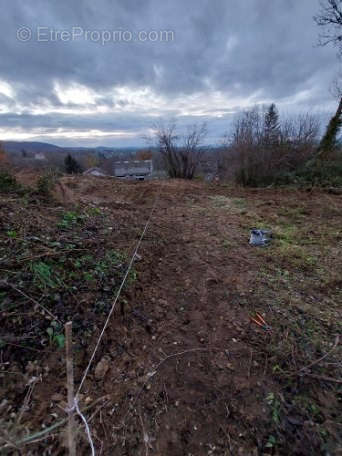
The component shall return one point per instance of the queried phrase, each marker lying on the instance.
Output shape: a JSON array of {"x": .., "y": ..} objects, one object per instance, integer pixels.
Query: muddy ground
[{"x": 182, "y": 368}]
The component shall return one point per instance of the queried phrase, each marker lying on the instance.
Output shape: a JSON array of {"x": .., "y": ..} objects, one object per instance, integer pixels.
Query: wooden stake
[{"x": 70, "y": 386}]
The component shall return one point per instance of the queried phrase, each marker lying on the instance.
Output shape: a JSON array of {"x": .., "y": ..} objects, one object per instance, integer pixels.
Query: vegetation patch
[
  {"x": 52, "y": 277},
  {"x": 8, "y": 183}
]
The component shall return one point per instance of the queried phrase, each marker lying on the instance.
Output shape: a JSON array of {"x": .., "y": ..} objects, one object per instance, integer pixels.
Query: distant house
[
  {"x": 134, "y": 169},
  {"x": 94, "y": 172},
  {"x": 39, "y": 156}
]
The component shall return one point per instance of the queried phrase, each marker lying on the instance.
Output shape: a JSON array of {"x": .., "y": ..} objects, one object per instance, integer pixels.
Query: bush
[
  {"x": 263, "y": 147},
  {"x": 46, "y": 183},
  {"x": 322, "y": 173},
  {"x": 8, "y": 183}
]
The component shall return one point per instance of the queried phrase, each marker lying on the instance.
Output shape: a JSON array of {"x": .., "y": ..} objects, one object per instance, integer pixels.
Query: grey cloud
[{"x": 271, "y": 53}]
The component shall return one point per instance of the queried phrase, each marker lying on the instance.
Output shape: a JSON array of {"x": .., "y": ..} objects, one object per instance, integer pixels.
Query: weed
[
  {"x": 70, "y": 219},
  {"x": 227, "y": 244},
  {"x": 271, "y": 442},
  {"x": 224, "y": 202},
  {"x": 274, "y": 403},
  {"x": 307, "y": 404},
  {"x": 45, "y": 184},
  {"x": 88, "y": 276},
  {"x": 94, "y": 211},
  {"x": 239, "y": 202},
  {"x": 55, "y": 333},
  {"x": 43, "y": 276},
  {"x": 287, "y": 234},
  {"x": 220, "y": 201}
]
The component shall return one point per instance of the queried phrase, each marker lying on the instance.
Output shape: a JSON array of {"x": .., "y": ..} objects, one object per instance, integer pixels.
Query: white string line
[
  {"x": 117, "y": 296},
  {"x": 78, "y": 411}
]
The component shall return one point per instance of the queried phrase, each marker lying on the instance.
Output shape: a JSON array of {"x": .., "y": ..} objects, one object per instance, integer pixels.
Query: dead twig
[
  {"x": 25, "y": 405},
  {"x": 191, "y": 350},
  {"x": 151, "y": 374},
  {"x": 4, "y": 283},
  {"x": 337, "y": 340},
  {"x": 46, "y": 432},
  {"x": 44, "y": 438},
  {"x": 99, "y": 408},
  {"x": 11, "y": 372},
  {"x": 8, "y": 440},
  {"x": 45, "y": 254},
  {"x": 323, "y": 377},
  {"x": 303, "y": 370},
  {"x": 29, "y": 348}
]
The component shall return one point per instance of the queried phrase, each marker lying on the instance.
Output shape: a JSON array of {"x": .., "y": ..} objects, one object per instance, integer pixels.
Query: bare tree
[
  {"x": 244, "y": 147},
  {"x": 330, "y": 19},
  {"x": 258, "y": 156},
  {"x": 336, "y": 86},
  {"x": 300, "y": 130},
  {"x": 181, "y": 154},
  {"x": 299, "y": 137}
]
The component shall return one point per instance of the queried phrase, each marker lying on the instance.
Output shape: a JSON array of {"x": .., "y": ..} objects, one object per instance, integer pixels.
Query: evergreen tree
[
  {"x": 271, "y": 125},
  {"x": 71, "y": 165},
  {"x": 329, "y": 141}
]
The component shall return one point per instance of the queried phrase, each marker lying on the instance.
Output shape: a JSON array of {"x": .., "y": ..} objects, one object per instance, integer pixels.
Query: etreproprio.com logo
[{"x": 50, "y": 35}]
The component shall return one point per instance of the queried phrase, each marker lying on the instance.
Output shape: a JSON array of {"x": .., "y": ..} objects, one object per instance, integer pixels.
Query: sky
[{"x": 105, "y": 72}]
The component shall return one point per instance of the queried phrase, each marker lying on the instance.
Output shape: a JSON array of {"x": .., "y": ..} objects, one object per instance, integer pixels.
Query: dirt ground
[{"x": 182, "y": 368}]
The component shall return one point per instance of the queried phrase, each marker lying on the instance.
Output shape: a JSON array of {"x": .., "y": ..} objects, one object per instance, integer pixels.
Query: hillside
[
  {"x": 31, "y": 147},
  {"x": 182, "y": 368},
  {"x": 38, "y": 147}
]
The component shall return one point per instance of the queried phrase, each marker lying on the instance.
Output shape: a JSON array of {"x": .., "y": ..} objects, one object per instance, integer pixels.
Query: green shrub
[
  {"x": 46, "y": 183},
  {"x": 8, "y": 183},
  {"x": 316, "y": 173},
  {"x": 319, "y": 173},
  {"x": 255, "y": 176}
]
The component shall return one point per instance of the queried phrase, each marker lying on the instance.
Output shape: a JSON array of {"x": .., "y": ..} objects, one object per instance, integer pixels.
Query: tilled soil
[{"x": 182, "y": 369}]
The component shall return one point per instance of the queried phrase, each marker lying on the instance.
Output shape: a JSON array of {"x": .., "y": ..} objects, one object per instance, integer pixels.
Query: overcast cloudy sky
[{"x": 103, "y": 72}]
